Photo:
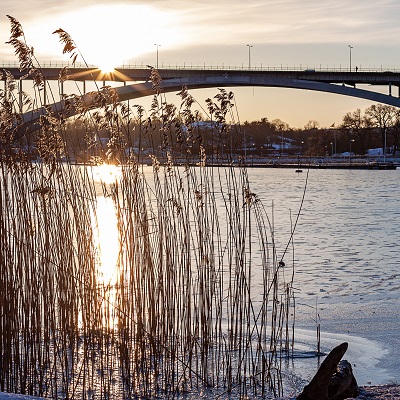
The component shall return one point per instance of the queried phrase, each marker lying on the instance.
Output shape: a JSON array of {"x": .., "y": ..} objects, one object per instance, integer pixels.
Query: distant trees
[
  {"x": 356, "y": 125},
  {"x": 311, "y": 125},
  {"x": 386, "y": 119},
  {"x": 280, "y": 126},
  {"x": 394, "y": 132},
  {"x": 377, "y": 126},
  {"x": 259, "y": 132}
]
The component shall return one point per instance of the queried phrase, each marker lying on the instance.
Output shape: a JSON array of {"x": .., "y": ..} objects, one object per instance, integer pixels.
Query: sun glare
[
  {"x": 110, "y": 35},
  {"x": 106, "y": 67}
]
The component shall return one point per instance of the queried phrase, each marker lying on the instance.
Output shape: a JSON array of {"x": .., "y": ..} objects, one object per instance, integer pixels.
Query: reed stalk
[{"x": 183, "y": 312}]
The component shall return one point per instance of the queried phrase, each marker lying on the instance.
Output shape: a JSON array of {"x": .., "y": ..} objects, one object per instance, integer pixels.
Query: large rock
[{"x": 334, "y": 379}]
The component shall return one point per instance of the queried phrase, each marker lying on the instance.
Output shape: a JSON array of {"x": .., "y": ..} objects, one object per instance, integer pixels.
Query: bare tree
[
  {"x": 279, "y": 125},
  {"x": 356, "y": 124},
  {"x": 395, "y": 131},
  {"x": 311, "y": 125},
  {"x": 383, "y": 117}
]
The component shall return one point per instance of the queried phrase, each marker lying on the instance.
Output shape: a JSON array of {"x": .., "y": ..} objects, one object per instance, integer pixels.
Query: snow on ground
[
  {"x": 9, "y": 396},
  {"x": 384, "y": 392}
]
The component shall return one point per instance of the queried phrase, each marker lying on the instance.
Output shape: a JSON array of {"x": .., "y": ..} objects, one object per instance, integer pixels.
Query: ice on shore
[{"x": 363, "y": 354}]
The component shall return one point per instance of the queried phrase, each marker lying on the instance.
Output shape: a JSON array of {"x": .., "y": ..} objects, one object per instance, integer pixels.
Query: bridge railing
[{"x": 221, "y": 67}]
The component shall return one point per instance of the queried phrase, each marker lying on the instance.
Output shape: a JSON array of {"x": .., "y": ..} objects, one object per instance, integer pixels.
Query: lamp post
[
  {"x": 352, "y": 140},
  {"x": 249, "y": 46},
  {"x": 331, "y": 149},
  {"x": 158, "y": 45},
  {"x": 350, "y": 47},
  {"x": 384, "y": 150}
]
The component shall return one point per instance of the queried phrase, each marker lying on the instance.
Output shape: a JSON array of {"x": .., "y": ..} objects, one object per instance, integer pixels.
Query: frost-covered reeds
[{"x": 199, "y": 302}]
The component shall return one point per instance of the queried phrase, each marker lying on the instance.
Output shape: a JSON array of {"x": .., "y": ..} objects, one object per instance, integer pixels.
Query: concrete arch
[
  {"x": 172, "y": 85},
  {"x": 137, "y": 90}
]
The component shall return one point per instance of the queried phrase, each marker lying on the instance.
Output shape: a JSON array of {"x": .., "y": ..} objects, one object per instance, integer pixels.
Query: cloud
[
  {"x": 289, "y": 21},
  {"x": 181, "y": 25}
]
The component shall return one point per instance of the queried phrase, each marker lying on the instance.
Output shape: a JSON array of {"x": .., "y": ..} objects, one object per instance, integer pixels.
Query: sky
[{"x": 288, "y": 33}]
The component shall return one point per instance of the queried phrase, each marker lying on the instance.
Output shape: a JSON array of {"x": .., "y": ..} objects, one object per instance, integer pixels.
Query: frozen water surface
[{"x": 347, "y": 261}]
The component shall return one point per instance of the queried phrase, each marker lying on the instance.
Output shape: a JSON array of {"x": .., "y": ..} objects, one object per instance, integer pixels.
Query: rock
[{"x": 333, "y": 381}]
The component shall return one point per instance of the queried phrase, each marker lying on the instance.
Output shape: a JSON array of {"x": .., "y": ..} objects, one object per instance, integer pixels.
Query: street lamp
[
  {"x": 384, "y": 150},
  {"x": 350, "y": 47},
  {"x": 249, "y": 46},
  {"x": 331, "y": 149},
  {"x": 158, "y": 45},
  {"x": 352, "y": 140}
]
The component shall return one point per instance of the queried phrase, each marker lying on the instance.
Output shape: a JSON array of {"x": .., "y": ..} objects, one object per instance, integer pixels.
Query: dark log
[
  {"x": 343, "y": 383},
  {"x": 328, "y": 383}
]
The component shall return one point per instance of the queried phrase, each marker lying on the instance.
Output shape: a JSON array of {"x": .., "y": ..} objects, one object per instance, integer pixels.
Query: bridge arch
[{"x": 225, "y": 79}]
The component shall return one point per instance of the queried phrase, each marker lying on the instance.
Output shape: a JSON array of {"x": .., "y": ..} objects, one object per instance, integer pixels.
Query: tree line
[{"x": 378, "y": 126}]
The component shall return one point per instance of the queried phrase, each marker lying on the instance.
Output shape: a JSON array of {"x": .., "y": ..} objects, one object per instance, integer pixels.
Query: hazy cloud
[{"x": 186, "y": 24}]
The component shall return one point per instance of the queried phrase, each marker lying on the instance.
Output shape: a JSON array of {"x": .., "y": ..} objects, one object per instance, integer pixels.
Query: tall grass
[{"x": 200, "y": 303}]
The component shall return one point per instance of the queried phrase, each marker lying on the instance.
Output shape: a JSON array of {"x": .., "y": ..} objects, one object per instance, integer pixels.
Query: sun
[
  {"x": 109, "y": 36},
  {"x": 107, "y": 66}
]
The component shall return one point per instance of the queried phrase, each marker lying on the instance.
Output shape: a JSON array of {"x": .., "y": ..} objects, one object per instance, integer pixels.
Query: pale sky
[{"x": 306, "y": 33}]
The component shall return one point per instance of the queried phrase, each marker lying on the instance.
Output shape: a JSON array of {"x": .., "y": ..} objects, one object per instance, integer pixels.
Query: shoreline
[
  {"x": 378, "y": 392},
  {"x": 389, "y": 391}
]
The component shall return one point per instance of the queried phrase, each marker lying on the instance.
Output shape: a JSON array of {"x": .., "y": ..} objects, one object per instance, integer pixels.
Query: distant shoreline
[{"x": 298, "y": 167}]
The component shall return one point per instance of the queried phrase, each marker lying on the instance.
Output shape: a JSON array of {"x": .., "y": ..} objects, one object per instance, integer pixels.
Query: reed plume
[{"x": 181, "y": 313}]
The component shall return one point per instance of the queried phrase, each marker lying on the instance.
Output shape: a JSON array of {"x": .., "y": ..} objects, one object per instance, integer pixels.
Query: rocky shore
[
  {"x": 384, "y": 392},
  {"x": 378, "y": 392}
]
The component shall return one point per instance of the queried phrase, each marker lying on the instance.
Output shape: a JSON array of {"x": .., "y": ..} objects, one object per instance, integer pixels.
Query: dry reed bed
[{"x": 184, "y": 314}]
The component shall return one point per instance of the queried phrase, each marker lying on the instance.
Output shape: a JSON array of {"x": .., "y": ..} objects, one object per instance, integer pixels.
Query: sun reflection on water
[
  {"x": 106, "y": 173},
  {"x": 106, "y": 240},
  {"x": 105, "y": 225}
]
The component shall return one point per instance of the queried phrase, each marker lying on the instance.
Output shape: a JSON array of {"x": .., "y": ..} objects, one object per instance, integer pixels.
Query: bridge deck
[{"x": 142, "y": 74}]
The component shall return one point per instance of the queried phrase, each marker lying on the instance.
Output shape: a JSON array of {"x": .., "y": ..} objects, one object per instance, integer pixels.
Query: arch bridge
[{"x": 136, "y": 83}]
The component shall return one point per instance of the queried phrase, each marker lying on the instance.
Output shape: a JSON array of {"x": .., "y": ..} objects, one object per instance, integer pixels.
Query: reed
[{"x": 182, "y": 313}]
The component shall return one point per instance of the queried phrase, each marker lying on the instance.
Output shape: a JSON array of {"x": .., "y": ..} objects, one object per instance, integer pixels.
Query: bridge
[{"x": 136, "y": 82}]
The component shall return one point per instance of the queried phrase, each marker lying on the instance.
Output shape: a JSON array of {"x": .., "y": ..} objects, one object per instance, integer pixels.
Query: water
[
  {"x": 347, "y": 263},
  {"x": 344, "y": 261}
]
